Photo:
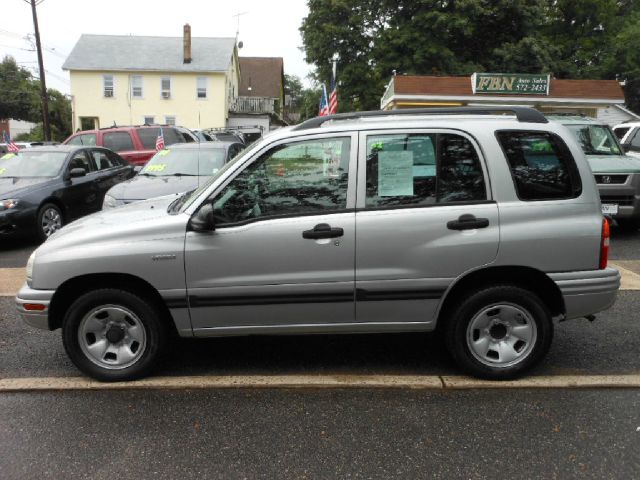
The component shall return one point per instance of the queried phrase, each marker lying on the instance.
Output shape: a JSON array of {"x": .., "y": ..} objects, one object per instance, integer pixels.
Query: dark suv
[{"x": 135, "y": 144}]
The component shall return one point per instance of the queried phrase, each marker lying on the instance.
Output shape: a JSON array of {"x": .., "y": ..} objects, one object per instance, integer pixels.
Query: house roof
[
  {"x": 461, "y": 86},
  {"x": 124, "y": 52},
  {"x": 263, "y": 74}
]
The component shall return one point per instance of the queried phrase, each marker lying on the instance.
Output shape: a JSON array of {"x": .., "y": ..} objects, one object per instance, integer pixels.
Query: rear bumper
[
  {"x": 587, "y": 292},
  {"x": 35, "y": 318}
]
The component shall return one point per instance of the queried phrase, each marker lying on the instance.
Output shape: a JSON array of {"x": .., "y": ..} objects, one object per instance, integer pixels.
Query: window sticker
[
  {"x": 164, "y": 152},
  {"x": 2, "y": 170},
  {"x": 8, "y": 156},
  {"x": 395, "y": 173},
  {"x": 158, "y": 167}
]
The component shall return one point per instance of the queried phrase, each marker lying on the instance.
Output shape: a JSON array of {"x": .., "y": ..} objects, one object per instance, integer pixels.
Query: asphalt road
[{"x": 321, "y": 434}]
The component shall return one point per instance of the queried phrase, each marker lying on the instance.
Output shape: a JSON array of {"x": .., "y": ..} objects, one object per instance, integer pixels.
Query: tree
[
  {"x": 19, "y": 98},
  {"x": 568, "y": 38}
]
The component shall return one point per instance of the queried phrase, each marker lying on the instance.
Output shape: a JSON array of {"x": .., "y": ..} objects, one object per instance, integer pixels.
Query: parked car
[
  {"x": 483, "y": 227},
  {"x": 629, "y": 136},
  {"x": 617, "y": 174},
  {"x": 135, "y": 144},
  {"x": 43, "y": 188},
  {"x": 203, "y": 136},
  {"x": 180, "y": 168}
]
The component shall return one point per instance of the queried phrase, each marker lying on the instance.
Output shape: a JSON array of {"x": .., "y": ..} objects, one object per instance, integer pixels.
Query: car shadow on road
[{"x": 406, "y": 354}]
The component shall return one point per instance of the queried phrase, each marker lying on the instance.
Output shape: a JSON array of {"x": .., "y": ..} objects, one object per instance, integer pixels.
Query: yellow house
[{"x": 129, "y": 80}]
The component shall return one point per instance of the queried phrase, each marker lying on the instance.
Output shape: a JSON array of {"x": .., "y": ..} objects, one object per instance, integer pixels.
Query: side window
[
  {"x": 620, "y": 132},
  {"x": 102, "y": 161},
  {"x": 115, "y": 159},
  {"x": 302, "y": 178},
  {"x": 541, "y": 165},
  {"x": 415, "y": 170},
  {"x": 85, "y": 139},
  {"x": 171, "y": 136},
  {"x": 635, "y": 141},
  {"x": 81, "y": 160},
  {"x": 117, "y": 141}
]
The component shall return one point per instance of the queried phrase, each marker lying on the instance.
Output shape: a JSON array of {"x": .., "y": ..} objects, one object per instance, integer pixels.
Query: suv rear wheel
[
  {"x": 113, "y": 335},
  {"x": 499, "y": 332}
]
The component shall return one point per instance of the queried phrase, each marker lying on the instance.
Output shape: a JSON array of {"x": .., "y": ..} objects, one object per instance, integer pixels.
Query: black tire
[
  {"x": 521, "y": 309},
  {"x": 50, "y": 214},
  {"x": 139, "y": 314}
]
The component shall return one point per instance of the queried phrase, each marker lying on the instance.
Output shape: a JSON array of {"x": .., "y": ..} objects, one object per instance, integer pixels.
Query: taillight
[{"x": 604, "y": 244}]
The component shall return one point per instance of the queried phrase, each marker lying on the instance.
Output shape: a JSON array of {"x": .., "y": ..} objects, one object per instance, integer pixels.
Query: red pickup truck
[{"x": 135, "y": 144}]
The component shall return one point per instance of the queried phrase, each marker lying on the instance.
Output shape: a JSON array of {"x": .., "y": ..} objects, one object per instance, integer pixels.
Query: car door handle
[
  {"x": 467, "y": 222},
  {"x": 323, "y": 230}
]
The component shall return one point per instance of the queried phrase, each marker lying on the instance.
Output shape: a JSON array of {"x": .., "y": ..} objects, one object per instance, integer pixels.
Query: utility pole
[{"x": 43, "y": 85}]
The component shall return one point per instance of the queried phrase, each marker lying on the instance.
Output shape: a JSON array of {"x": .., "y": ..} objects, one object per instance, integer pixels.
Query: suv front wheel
[
  {"x": 499, "y": 332},
  {"x": 113, "y": 335}
]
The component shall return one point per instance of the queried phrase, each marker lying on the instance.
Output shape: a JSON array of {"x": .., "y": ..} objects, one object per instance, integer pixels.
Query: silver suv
[{"x": 484, "y": 227}]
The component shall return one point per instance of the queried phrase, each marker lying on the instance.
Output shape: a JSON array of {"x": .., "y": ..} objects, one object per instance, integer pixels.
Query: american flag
[
  {"x": 160, "y": 141},
  {"x": 11, "y": 147},
  {"x": 333, "y": 97},
  {"x": 323, "y": 109}
]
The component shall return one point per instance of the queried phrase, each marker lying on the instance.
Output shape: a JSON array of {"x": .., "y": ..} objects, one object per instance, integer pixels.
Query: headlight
[
  {"x": 30, "y": 268},
  {"x": 109, "y": 202},
  {"x": 8, "y": 204}
]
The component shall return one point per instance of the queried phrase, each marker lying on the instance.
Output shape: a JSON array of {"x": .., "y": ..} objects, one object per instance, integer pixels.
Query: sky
[{"x": 268, "y": 28}]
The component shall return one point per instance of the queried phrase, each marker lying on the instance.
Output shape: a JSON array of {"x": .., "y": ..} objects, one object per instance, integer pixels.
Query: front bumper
[
  {"x": 626, "y": 195},
  {"x": 29, "y": 296},
  {"x": 587, "y": 292},
  {"x": 17, "y": 220}
]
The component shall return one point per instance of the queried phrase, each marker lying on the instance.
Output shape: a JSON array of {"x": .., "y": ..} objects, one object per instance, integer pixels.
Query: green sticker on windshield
[
  {"x": 2, "y": 170},
  {"x": 159, "y": 167},
  {"x": 162, "y": 153},
  {"x": 7, "y": 156}
]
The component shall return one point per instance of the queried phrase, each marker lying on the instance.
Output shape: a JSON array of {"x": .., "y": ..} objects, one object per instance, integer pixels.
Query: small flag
[
  {"x": 160, "y": 141},
  {"x": 323, "y": 109},
  {"x": 11, "y": 147},
  {"x": 333, "y": 97}
]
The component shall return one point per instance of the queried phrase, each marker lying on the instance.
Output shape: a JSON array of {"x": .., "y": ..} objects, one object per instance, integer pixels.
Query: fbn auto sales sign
[{"x": 510, "y": 83}]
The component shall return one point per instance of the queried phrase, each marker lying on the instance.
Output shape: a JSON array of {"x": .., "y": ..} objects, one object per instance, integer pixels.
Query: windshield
[
  {"x": 596, "y": 139},
  {"x": 191, "y": 196},
  {"x": 32, "y": 164},
  {"x": 192, "y": 161}
]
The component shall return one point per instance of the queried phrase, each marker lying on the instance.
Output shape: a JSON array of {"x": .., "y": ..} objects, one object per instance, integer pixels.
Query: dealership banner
[{"x": 510, "y": 83}]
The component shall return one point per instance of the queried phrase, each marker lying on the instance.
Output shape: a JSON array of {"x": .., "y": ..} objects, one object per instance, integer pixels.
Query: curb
[{"x": 411, "y": 382}]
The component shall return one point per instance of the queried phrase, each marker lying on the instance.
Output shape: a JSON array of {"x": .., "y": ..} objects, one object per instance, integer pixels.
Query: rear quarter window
[
  {"x": 149, "y": 135},
  {"x": 541, "y": 165}
]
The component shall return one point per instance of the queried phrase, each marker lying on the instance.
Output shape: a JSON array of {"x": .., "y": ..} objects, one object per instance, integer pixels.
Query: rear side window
[
  {"x": 541, "y": 165},
  {"x": 621, "y": 132},
  {"x": 415, "y": 170},
  {"x": 117, "y": 141},
  {"x": 148, "y": 136},
  {"x": 84, "y": 139}
]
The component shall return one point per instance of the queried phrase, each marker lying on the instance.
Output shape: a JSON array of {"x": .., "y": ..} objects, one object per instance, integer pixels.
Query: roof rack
[{"x": 523, "y": 114}]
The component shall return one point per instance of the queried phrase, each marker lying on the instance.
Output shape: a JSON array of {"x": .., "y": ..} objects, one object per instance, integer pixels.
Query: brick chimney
[{"x": 186, "y": 42}]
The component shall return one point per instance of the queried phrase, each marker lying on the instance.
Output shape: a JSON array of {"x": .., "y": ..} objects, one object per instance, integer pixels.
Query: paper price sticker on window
[
  {"x": 395, "y": 174},
  {"x": 2, "y": 170},
  {"x": 8, "y": 156},
  {"x": 164, "y": 152},
  {"x": 159, "y": 167}
]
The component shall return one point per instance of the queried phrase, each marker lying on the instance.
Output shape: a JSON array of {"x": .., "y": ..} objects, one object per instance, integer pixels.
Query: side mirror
[
  {"x": 203, "y": 220},
  {"x": 137, "y": 168},
  {"x": 77, "y": 172}
]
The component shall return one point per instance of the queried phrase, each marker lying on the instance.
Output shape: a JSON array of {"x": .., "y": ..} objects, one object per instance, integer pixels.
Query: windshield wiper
[
  {"x": 147, "y": 174},
  {"x": 180, "y": 175}
]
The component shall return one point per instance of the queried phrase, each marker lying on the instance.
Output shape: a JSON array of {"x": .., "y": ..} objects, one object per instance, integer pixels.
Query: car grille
[
  {"x": 621, "y": 200},
  {"x": 611, "y": 179}
]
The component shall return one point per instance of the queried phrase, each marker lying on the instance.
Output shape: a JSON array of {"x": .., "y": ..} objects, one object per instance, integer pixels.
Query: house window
[
  {"x": 149, "y": 120},
  {"x": 165, "y": 87},
  {"x": 136, "y": 86},
  {"x": 170, "y": 120},
  {"x": 201, "y": 87},
  {"x": 107, "y": 85}
]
